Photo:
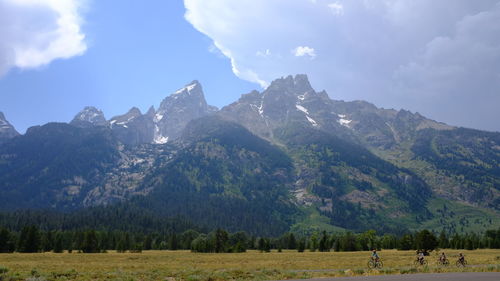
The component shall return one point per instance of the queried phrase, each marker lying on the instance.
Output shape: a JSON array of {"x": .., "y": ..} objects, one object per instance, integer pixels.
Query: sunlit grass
[{"x": 184, "y": 265}]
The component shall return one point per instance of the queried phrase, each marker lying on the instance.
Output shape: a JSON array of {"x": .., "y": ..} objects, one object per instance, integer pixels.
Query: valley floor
[{"x": 184, "y": 265}]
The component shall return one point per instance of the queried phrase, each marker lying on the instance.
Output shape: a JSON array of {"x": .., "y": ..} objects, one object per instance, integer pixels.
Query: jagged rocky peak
[
  {"x": 297, "y": 85},
  {"x": 134, "y": 111},
  {"x": 193, "y": 90},
  {"x": 124, "y": 119},
  {"x": 133, "y": 127},
  {"x": 283, "y": 95},
  {"x": 178, "y": 109},
  {"x": 251, "y": 97},
  {"x": 88, "y": 117},
  {"x": 190, "y": 97},
  {"x": 3, "y": 122},
  {"x": 7, "y": 131},
  {"x": 151, "y": 112}
]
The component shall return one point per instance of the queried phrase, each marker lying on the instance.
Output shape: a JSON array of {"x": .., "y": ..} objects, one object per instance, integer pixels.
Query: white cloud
[
  {"x": 35, "y": 32},
  {"x": 337, "y": 8},
  {"x": 402, "y": 54},
  {"x": 304, "y": 51},
  {"x": 263, "y": 54}
]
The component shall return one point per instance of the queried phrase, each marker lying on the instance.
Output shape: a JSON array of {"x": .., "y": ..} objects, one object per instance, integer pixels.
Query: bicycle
[
  {"x": 419, "y": 262},
  {"x": 373, "y": 263},
  {"x": 444, "y": 262},
  {"x": 461, "y": 263}
]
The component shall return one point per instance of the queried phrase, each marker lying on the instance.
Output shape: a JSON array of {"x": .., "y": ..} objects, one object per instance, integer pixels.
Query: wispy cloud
[
  {"x": 35, "y": 32},
  {"x": 263, "y": 54},
  {"x": 337, "y": 8},
  {"x": 302, "y": 51},
  {"x": 402, "y": 54}
]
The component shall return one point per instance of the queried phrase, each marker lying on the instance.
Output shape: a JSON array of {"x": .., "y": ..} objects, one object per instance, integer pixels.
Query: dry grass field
[{"x": 184, "y": 265}]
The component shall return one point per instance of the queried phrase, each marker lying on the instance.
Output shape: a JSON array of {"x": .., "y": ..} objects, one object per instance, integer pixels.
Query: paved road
[{"x": 470, "y": 276}]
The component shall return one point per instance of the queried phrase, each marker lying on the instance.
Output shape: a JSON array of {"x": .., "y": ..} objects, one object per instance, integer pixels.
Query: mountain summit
[
  {"x": 88, "y": 117},
  {"x": 178, "y": 109},
  {"x": 7, "y": 131}
]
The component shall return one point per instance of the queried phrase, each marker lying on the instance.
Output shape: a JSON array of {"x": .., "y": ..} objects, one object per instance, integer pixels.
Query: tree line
[{"x": 31, "y": 240}]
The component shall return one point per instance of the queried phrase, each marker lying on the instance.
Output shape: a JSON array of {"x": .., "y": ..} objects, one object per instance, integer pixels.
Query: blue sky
[
  {"x": 438, "y": 58},
  {"x": 136, "y": 55}
]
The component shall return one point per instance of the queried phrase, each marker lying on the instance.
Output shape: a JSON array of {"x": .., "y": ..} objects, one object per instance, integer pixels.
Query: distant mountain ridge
[
  {"x": 156, "y": 126},
  {"x": 306, "y": 161}
]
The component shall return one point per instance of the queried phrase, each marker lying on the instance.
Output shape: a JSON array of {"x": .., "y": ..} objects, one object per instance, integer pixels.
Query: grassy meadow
[{"x": 253, "y": 265}]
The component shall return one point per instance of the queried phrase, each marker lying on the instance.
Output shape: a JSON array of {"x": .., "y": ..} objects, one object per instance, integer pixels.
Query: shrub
[{"x": 3, "y": 270}]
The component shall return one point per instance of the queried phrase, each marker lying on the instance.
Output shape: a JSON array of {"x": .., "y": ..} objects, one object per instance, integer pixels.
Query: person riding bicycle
[
  {"x": 375, "y": 256},
  {"x": 420, "y": 257},
  {"x": 442, "y": 257},
  {"x": 461, "y": 258}
]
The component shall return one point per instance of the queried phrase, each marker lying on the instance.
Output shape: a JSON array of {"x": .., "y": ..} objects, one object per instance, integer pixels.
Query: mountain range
[{"x": 284, "y": 159}]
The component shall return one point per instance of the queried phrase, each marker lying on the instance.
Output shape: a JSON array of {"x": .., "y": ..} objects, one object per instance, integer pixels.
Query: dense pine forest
[{"x": 31, "y": 239}]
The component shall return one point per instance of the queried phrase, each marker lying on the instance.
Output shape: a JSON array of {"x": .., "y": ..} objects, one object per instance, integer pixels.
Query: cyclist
[
  {"x": 420, "y": 257},
  {"x": 461, "y": 258},
  {"x": 442, "y": 257},
  {"x": 375, "y": 261},
  {"x": 375, "y": 256}
]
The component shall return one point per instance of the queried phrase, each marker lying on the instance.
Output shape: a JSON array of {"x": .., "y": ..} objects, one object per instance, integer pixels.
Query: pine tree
[
  {"x": 30, "y": 240},
  {"x": 348, "y": 242},
  {"x": 292, "y": 242},
  {"x": 148, "y": 241},
  {"x": 323, "y": 243},
  {"x": 426, "y": 241},
  {"x": 406, "y": 242},
  {"x": 313, "y": 243},
  {"x": 47, "y": 241},
  {"x": 59, "y": 243},
  {"x": 302, "y": 245},
  {"x": 443, "y": 240},
  {"x": 173, "y": 242},
  {"x": 78, "y": 241},
  {"x": 6, "y": 241},
  {"x": 267, "y": 245},
  {"x": 90, "y": 243},
  {"x": 221, "y": 237},
  {"x": 261, "y": 245},
  {"x": 121, "y": 246}
]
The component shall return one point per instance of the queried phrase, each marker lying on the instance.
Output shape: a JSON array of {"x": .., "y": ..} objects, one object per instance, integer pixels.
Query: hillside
[{"x": 289, "y": 158}]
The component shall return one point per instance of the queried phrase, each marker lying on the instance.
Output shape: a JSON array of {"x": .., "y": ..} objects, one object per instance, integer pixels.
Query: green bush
[{"x": 3, "y": 270}]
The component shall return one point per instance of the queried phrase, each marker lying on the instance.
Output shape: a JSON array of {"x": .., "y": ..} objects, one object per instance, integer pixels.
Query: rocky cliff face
[
  {"x": 134, "y": 128},
  {"x": 177, "y": 110}
]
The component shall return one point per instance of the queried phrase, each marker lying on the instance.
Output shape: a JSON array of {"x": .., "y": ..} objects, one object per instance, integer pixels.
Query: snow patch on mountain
[
  {"x": 158, "y": 117},
  {"x": 303, "y": 109},
  {"x": 312, "y": 121},
  {"x": 160, "y": 139},
  {"x": 261, "y": 109},
  {"x": 306, "y": 112},
  {"x": 187, "y": 88},
  {"x": 343, "y": 121}
]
